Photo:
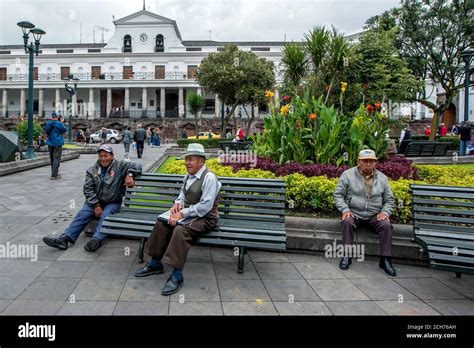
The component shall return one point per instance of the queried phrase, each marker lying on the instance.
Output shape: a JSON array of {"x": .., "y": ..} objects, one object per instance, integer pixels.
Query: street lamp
[
  {"x": 466, "y": 55},
  {"x": 70, "y": 83},
  {"x": 31, "y": 48}
]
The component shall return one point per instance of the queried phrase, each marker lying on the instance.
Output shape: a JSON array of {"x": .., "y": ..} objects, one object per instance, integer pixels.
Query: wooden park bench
[
  {"x": 251, "y": 213},
  {"x": 443, "y": 223},
  {"x": 235, "y": 145},
  {"x": 427, "y": 149}
]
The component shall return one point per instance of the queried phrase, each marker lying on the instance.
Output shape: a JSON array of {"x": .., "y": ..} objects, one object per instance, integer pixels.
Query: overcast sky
[{"x": 228, "y": 20}]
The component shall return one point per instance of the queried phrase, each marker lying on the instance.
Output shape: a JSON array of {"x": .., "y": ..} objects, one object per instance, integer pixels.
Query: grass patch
[
  {"x": 165, "y": 164},
  {"x": 72, "y": 146}
]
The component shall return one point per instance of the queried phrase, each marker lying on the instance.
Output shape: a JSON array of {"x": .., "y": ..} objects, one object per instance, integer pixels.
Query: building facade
[
  {"x": 145, "y": 67},
  {"x": 145, "y": 71}
]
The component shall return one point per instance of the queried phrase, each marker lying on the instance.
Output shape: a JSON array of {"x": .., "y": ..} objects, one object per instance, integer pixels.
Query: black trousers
[
  {"x": 140, "y": 145},
  {"x": 55, "y": 153}
]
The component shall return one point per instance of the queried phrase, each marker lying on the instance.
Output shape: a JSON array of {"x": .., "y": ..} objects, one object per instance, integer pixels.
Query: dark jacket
[
  {"x": 55, "y": 130},
  {"x": 139, "y": 135},
  {"x": 113, "y": 189},
  {"x": 465, "y": 133}
]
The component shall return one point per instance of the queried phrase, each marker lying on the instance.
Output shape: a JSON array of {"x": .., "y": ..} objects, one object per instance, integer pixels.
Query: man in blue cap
[
  {"x": 54, "y": 130},
  {"x": 104, "y": 189}
]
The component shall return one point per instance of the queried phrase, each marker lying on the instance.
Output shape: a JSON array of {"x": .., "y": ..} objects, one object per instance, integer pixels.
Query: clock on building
[{"x": 143, "y": 38}]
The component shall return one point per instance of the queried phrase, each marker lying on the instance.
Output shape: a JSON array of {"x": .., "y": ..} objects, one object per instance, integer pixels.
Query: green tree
[
  {"x": 196, "y": 104},
  {"x": 236, "y": 76},
  {"x": 22, "y": 130},
  {"x": 378, "y": 74},
  {"x": 432, "y": 36}
]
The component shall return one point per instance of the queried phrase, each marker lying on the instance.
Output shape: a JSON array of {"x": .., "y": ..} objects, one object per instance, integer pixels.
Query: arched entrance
[{"x": 449, "y": 116}]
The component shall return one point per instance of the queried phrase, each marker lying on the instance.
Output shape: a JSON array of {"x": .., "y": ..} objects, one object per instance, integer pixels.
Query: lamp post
[
  {"x": 30, "y": 48},
  {"x": 70, "y": 83},
  {"x": 467, "y": 54}
]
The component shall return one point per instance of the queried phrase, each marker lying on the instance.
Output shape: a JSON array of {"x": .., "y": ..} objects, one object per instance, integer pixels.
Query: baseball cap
[
  {"x": 367, "y": 154},
  {"x": 106, "y": 147}
]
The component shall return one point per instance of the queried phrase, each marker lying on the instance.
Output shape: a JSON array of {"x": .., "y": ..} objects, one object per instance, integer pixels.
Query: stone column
[
  {"x": 255, "y": 111},
  {"x": 57, "y": 99},
  {"x": 277, "y": 97},
  {"x": 199, "y": 91},
  {"x": 163, "y": 102},
  {"x": 40, "y": 102},
  {"x": 126, "y": 107},
  {"x": 109, "y": 102},
  {"x": 74, "y": 105},
  {"x": 5, "y": 103},
  {"x": 22, "y": 102},
  {"x": 144, "y": 102},
  {"x": 180, "y": 103},
  {"x": 217, "y": 107},
  {"x": 91, "y": 108}
]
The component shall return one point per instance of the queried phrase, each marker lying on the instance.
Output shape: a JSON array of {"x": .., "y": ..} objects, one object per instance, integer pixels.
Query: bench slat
[
  {"x": 418, "y": 208},
  {"x": 444, "y": 235},
  {"x": 419, "y": 201},
  {"x": 445, "y": 257},
  {"x": 448, "y": 250},
  {"x": 432, "y": 217}
]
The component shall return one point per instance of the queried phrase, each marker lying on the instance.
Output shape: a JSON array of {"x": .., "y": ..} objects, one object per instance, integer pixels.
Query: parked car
[
  {"x": 113, "y": 136},
  {"x": 205, "y": 136}
]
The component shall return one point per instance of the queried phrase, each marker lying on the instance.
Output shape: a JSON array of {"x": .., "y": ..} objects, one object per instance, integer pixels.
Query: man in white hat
[
  {"x": 364, "y": 197},
  {"x": 198, "y": 200}
]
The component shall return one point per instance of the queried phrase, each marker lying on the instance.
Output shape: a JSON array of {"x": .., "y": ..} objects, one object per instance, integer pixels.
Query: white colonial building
[{"x": 146, "y": 65}]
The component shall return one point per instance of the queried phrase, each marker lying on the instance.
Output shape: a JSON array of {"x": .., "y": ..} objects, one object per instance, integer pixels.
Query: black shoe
[
  {"x": 345, "y": 263},
  {"x": 386, "y": 265},
  {"x": 172, "y": 286},
  {"x": 60, "y": 243},
  {"x": 148, "y": 270},
  {"x": 93, "y": 244}
]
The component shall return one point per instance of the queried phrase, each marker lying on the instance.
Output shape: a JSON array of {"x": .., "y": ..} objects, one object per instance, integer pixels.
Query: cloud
[{"x": 222, "y": 20}]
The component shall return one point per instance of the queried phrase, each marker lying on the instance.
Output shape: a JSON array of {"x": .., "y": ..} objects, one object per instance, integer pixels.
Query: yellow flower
[
  {"x": 343, "y": 86},
  {"x": 285, "y": 109},
  {"x": 269, "y": 94}
]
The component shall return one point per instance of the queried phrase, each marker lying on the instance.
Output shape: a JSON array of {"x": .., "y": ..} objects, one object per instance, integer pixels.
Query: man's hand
[
  {"x": 382, "y": 216},
  {"x": 347, "y": 215},
  {"x": 98, "y": 211},
  {"x": 129, "y": 181},
  {"x": 174, "y": 218},
  {"x": 176, "y": 208}
]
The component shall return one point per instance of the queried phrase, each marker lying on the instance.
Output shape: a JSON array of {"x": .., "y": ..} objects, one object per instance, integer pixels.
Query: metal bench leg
[
  {"x": 458, "y": 274},
  {"x": 241, "y": 259},
  {"x": 140, "y": 251}
]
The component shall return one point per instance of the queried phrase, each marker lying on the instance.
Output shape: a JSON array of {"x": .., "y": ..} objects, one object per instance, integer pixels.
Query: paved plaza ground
[{"x": 76, "y": 282}]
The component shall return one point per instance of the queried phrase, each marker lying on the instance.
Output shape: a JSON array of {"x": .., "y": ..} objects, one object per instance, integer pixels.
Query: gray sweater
[{"x": 350, "y": 195}]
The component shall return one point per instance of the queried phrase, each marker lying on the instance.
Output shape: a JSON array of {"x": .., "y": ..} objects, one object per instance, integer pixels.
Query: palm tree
[
  {"x": 196, "y": 104},
  {"x": 295, "y": 65}
]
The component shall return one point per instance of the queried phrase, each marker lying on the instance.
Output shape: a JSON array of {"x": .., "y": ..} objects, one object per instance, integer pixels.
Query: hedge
[
  {"x": 317, "y": 192},
  {"x": 207, "y": 143}
]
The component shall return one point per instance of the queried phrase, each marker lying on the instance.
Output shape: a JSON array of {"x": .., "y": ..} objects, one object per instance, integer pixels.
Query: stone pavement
[{"x": 75, "y": 282}]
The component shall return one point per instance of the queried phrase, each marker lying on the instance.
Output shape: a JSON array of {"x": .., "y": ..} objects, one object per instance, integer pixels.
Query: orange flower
[
  {"x": 269, "y": 94},
  {"x": 285, "y": 109},
  {"x": 312, "y": 116},
  {"x": 343, "y": 86},
  {"x": 377, "y": 105}
]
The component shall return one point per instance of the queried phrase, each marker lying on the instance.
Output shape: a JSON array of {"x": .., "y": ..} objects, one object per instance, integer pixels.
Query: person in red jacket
[
  {"x": 428, "y": 131},
  {"x": 443, "y": 130}
]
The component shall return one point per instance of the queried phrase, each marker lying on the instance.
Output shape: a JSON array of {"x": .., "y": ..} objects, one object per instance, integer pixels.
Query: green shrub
[
  {"x": 450, "y": 139},
  {"x": 22, "y": 130},
  {"x": 317, "y": 192}
]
